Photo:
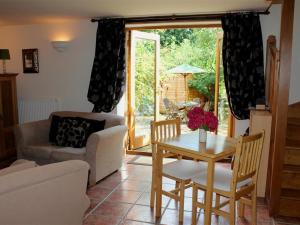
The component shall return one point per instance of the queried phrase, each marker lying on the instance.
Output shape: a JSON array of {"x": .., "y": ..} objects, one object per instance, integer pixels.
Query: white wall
[
  {"x": 66, "y": 75},
  {"x": 295, "y": 76},
  {"x": 63, "y": 75}
]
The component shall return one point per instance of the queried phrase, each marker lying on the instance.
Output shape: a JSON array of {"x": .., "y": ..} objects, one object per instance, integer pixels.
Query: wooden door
[
  {"x": 229, "y": 121},
  {"x": 138, "y": 120}
]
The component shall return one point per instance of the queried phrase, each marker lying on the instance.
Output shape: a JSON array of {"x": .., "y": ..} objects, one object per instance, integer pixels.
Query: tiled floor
[{"x": 123, "y": 199}]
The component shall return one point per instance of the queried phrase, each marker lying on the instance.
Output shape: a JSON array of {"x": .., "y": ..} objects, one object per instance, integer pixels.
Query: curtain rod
[{"x": 199, "y": 17}]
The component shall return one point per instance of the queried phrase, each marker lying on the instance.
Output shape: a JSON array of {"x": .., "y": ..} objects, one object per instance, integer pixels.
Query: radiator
[{"x": 37, "y": 109}]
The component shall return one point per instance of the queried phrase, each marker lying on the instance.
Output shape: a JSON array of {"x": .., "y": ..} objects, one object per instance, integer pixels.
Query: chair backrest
[
  {"x": 166, "y": 102},
  {"x": 247, "y": 158},
  {"x": 170, "y": 106},
  {"x": 164, "y": 129}
]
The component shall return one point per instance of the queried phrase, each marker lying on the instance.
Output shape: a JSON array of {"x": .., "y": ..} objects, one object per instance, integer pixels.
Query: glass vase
[{"x": 202, "y": 135}]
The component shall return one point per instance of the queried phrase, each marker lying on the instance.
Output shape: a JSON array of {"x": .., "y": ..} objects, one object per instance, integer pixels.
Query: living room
[{"x": 64, "y": 77}]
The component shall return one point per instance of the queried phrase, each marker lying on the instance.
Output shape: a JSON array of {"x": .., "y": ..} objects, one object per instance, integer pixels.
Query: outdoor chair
[
  {"x": 181, "y": 171},
  {"x": 238, "y": 184},
  {"x": 173, "y": 110}
]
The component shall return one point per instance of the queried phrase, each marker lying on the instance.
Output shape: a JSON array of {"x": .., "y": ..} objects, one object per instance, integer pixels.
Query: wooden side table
[{"x": 262, "y": 120}]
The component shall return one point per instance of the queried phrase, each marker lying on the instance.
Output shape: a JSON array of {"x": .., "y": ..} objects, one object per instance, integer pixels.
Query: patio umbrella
[{"x": 185, "y": 70}]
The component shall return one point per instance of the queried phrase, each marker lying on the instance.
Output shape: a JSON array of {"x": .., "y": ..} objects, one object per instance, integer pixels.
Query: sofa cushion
[
  {"x": 18, "y": 165},
  {"x": 53, "y": 128},
  {"x": 111, "y": 119},
  {"x": 73, "y": 131},
  {"x": 41, "y": 151},
  {"x": 96, "y": 125},
  {"x": 23, "y": 162},
  {"x": 68, "y": 153}
]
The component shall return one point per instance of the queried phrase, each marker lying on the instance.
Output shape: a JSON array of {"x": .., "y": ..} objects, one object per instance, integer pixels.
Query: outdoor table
[
  {"x": 215, "y": 149},
  {"x": 184, "y": 105}
]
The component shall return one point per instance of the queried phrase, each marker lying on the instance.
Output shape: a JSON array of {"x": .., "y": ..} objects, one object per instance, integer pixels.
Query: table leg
[
  {"x": 158, "y": 183},
  {"x": 209, "y": 192}
]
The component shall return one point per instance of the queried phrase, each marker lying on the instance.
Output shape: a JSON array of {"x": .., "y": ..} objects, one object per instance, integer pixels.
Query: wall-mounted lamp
[
  {"x": 60, "y": 46},
  {"x": 4, "y": 55}
]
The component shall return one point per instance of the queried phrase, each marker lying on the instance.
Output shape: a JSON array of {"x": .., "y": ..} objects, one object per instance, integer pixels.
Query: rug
[{"x": 146, "y": 160}]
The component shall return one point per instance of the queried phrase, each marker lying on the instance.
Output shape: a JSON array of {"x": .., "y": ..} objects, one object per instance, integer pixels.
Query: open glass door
[{"x": 143, "y": 86}]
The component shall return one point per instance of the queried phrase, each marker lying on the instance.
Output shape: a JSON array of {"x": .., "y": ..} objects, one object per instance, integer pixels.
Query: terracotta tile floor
[{"x": 123, "y": 199}]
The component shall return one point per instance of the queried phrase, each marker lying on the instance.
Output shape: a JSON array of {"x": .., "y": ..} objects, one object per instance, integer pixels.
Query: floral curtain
[
  {"x": 243, "y": 62},
  {"x": 108, "y": 73}
]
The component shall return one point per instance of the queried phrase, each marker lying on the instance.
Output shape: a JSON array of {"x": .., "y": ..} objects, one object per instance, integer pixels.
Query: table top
[
  {"x": 187, "y": 104},
  {"x": 216, "y": 146}
]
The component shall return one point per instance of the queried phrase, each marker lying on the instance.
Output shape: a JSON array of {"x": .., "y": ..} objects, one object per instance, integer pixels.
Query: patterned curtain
[
  {"x": 108, "y": 73},
  {"x": 243, "y": 62}
]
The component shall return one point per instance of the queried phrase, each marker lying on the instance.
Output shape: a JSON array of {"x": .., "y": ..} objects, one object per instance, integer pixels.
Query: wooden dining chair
[
  {"x": 181, "y": 171},
  {"x": 238, "y": 184}
]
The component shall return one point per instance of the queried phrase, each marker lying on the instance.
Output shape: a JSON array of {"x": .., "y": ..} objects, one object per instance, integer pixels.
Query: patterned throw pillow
[
  {"x": 54, "y": 127},
  {"x": 72, "y": 133}
]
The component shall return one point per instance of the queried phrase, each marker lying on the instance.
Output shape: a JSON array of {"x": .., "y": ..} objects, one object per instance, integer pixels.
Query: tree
[
  {"x": 195, "y": 47},
  {"x": 205, "y": 84},
  {"x": 170, "y": 37}
]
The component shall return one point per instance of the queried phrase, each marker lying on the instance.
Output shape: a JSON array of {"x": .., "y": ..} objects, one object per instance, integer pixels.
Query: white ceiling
[{"x": 47, "y": 11}]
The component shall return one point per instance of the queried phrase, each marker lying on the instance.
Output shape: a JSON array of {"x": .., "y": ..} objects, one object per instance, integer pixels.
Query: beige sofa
[
  {"x": 104, "y": 149},
  {"x": 53, "y": 194}
]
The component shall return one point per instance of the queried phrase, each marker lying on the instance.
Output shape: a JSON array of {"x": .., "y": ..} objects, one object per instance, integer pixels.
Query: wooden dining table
[{"x": 216, "y": 148}]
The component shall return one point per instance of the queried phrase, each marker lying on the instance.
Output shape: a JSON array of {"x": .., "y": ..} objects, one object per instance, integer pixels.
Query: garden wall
[{"x": 173, "y": 88}]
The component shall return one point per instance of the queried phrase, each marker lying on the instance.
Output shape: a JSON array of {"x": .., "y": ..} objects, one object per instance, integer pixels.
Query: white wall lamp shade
[{"x": 60, "y": 46}]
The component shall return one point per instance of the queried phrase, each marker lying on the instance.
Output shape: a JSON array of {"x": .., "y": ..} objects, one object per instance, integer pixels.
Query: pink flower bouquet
[{"x": 201, "y": 119}]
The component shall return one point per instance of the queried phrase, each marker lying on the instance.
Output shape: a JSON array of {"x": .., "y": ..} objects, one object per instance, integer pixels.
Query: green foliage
[
  {"x": 169, "y": 37},
  {"x": 144, "y": 79},
  {"x": 197, "y": 51},
  {"x": 195, "y": 47},
  {"x": 205, "y": 84}
]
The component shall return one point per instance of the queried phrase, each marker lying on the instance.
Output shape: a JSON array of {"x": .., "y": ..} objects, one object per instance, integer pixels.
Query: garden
[{"x": 194, "y": 47}]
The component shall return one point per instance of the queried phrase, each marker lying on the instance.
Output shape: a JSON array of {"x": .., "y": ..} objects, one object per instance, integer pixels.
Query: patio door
[
  {"x": 221, "y": 107},
  {"x": 143, "y": 86}
]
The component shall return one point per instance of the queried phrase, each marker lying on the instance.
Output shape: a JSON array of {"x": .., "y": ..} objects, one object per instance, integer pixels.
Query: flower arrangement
[{"x": 198, "y": 118}]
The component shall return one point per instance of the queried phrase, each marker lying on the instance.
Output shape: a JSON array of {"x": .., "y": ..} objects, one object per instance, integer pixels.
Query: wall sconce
[{"x": 60, "y": 46}]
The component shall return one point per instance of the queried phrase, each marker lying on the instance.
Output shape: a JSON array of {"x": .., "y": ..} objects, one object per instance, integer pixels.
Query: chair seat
[
  {"x": 222, "y": 179},
  {"x": 184, "y": 169}
]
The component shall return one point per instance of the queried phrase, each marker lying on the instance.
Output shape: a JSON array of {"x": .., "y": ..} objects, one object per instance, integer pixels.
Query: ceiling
[{"x": 13, "y": 12}]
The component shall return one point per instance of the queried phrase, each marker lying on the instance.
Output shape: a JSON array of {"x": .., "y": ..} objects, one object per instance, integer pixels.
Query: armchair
[{"x": 104, "y": 149}]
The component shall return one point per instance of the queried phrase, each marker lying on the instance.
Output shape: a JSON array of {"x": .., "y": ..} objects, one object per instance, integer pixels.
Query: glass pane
[
  {"x": 144, "y": 90},
  {"x": 223, "y": 107}
]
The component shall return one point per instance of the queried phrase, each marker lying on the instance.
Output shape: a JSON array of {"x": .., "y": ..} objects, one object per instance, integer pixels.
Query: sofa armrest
[
  {"x": 32, "y": 133},
  {"x": 105, "y": 151},
  {"x": 51, "y": 194}
]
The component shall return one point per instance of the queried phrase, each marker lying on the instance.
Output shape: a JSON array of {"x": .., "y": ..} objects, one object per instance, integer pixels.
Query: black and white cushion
[{"x": 73, "y": 131}]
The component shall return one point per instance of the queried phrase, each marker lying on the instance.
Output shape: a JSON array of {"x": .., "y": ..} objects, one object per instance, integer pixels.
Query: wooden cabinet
[
  {"x": 262, "y": 120},
  {"x": 8, "y": 116}
]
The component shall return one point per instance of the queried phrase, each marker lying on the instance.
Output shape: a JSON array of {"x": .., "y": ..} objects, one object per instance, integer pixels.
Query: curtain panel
[
  {"x": 108, "y": 75},
  {"x": 243, "y": 62}
]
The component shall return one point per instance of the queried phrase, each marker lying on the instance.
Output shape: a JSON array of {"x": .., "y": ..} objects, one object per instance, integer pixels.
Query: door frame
[
  {"x": 133, "y": 36},
  {"x": 151, "y": 26}
]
